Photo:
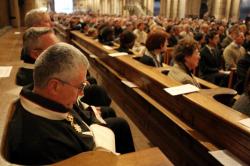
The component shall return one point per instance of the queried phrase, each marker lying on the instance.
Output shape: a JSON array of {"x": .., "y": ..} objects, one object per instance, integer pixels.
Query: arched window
[{"x": 65, "y": 6}]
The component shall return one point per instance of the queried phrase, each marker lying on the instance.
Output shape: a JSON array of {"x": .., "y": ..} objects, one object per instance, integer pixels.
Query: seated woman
[
  {"x": 186, "y": 58},
  {"x": 127, "y": 41},
  {"x": 155, "y": 45},
  {"x": 211, "y": 65},
  {"x": 243, "y": 103}
]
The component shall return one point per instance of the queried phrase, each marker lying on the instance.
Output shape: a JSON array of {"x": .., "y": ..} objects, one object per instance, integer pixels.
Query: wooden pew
[
  {"x": 148, "y": 157},
  {"x": 62, "y": 32},
  {"x": 213, "y": 121}
]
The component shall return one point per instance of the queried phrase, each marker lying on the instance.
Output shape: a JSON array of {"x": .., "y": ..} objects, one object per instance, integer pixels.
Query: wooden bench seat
[{"x": 147, "y": 157}]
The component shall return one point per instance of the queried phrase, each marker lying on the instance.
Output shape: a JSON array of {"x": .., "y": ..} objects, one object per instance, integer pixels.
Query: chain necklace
[{"x": 70, "y": 119}]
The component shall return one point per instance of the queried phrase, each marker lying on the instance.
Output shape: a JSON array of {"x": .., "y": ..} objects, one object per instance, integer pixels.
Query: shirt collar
[
  {"x": 41, "y": 111},
  {"x": 236, "y": 45},
  {"x": 156, "y": 58},
  {"x": 209, "y": 47}
]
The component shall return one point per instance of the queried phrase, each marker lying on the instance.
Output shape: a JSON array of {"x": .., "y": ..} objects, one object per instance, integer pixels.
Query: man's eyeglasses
[{"x": 80, "y": 87}]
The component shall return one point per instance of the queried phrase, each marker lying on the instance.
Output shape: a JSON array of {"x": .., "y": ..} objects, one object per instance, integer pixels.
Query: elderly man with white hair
[{"x": 48, "y": 124}]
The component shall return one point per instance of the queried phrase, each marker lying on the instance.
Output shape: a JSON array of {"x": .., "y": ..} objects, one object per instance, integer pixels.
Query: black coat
[
  {"x": 148, "y": 60},
  {"x": 24, "y": 76},
  {"x": 209, "y": 63},
  {"x": 243, "y": 66},
  {"x": 35, "y": 140}
]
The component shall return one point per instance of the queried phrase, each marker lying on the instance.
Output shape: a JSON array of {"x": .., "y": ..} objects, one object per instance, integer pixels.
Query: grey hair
[
  {"x": 61, "y": 61},
  {"x": 33, "y": 17},
  {"x": 31, "y": 38}
]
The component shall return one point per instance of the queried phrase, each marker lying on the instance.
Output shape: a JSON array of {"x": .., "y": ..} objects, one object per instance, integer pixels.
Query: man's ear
[
  {"x": 34, "y": 54},
  {"x": 53, "y": 86}
]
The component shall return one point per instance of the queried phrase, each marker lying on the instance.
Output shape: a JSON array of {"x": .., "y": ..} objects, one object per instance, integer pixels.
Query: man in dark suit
[{"x": 211, "y": 62}]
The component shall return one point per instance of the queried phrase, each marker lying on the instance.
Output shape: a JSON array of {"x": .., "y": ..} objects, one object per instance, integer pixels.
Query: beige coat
[
  {"x": 179, "y": 73},
  {"x": 232, "y": 54}
]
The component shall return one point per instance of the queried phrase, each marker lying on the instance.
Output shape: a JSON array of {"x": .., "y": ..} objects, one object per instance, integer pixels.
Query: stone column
[
  {"x": 112, "y": 6},
  {"x": 211, "y": 6},
  {"x": 163, "y": 8},
  {"x": 235, "y": 8},
  {"x": 181, "y": 8},
  {"x": 216, "y": 8},
  {"x": 115, "y": 7},
  {"x": 106, "y": 7},
  {"x": 168, "y": 8},
  {"x": 188, "y": 8},
  {"x": 196, "y": 5},
  {"x": 228, "y": 9},
  {"x": 150, "y": 6},
  {"x": 174, "y": 9},
  {"x": 223, "y": 8}
]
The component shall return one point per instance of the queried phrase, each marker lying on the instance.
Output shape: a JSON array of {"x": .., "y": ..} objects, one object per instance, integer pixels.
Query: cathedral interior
[{"x": 167, "y": 129}]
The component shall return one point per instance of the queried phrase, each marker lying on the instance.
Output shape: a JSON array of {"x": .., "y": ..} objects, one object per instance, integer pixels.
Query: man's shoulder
[
  {"x": 146, "y": 58},
  {"x": 204, "y": 51},
  {"x": 177, "y": 72}
]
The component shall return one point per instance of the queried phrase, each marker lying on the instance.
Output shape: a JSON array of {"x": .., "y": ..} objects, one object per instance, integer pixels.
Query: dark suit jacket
[
  {"x": 243, "y": 66},
  {"x": 209, "y": 63},
  {"x": 24, "y": 76},
  {"x": 148, "y": 60}
]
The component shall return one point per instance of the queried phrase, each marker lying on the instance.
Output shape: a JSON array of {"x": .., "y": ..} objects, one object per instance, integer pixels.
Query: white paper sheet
[
  {"x": 245, "y": 122},
  {"x": 107, "y": 47},
  {"x": 17, "y": 33},
  {"x": 104, "y": 137},
  {"x": 182, "y": 89},
  {"x": 129, "y": 84},
  {"x": 118, "y": 54},
  {"x": 227, "y": 158},
  {"x": 5, "y": 71}
]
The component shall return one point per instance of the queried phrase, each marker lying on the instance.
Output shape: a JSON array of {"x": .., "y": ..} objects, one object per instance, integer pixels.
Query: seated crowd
[
  {"x": 211, "y": 49},
  {"x": 66, "y": 110}
]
